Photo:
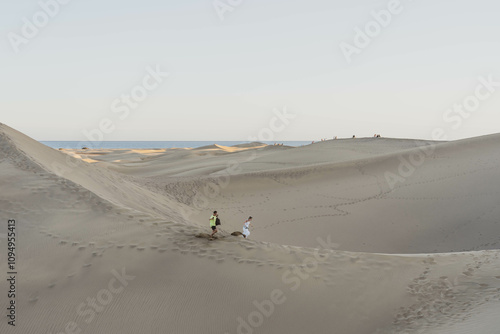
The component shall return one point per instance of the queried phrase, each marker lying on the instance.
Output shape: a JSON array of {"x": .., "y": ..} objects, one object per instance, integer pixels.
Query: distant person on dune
[
  {"x": 213, "y": 223},
  {"x": 246, "y": 227}
]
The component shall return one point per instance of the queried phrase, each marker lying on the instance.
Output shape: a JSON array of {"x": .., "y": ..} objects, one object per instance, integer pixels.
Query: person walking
[
  {"x": 213, "y": 225},
  {"x": 246, "y": 227}
]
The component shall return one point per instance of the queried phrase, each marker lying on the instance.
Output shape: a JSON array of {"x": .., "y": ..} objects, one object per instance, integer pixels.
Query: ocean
[{"x": 154, "y": 144}]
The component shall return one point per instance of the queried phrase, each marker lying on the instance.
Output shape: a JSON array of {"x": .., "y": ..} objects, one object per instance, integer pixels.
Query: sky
[{"x": 249, "y": 69}]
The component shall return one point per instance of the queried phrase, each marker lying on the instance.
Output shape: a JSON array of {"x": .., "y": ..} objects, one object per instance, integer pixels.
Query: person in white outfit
[{"x": 246, "y": 227}]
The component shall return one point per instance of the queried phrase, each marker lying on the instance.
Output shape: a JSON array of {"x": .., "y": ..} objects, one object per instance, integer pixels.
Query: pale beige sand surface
[{"x": 106, "y": 238}]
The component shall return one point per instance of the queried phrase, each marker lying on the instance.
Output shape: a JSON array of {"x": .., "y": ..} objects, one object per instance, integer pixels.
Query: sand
[{"x": 366, "y": 235}]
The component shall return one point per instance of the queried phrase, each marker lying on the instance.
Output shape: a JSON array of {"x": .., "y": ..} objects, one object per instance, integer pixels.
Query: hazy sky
[{"x": 227, "y": 76}]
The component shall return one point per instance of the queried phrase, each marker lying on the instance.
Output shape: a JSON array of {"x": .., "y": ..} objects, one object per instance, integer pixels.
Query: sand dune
[{"x": 344, "y": 242}]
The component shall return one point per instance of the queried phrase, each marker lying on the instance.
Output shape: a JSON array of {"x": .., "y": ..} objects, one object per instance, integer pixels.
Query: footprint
[{"x": 33, "y": 298}]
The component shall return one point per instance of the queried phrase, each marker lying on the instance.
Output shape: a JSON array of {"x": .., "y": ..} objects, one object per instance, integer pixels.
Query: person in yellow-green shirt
[{"x": 213, "y": 220}]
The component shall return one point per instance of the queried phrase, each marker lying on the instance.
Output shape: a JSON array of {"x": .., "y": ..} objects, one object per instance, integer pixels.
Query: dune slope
[{"x": 104, "y": 252}]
